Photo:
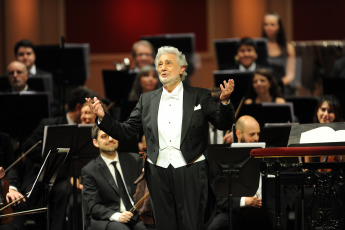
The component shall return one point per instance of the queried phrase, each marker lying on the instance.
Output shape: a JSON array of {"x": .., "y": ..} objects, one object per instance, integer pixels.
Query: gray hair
[
  {"x": 142, "y": 43},
  {"x": 181, "y": 59}
]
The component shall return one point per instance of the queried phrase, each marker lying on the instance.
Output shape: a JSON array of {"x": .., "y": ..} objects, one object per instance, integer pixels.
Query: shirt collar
[
  {"x": 69, "y": 120},
  {"x": 175, "y": 92},
  {"x": 108, "y": 161},
  {"x": 33, "y": 70}
]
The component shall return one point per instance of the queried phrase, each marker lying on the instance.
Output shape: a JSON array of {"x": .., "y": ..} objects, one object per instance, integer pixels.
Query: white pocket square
[{"x": 197, "y": 107}]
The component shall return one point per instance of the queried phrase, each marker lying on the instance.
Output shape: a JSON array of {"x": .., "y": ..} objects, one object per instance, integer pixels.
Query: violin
[
  {"x": 5, "y": 184},
  {"x": 145, "y": 211}
]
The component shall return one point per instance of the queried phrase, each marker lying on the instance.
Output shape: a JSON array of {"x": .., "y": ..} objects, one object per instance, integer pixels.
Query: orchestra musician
[
  {"x": 327, "y": 111},
  {"x": 247, "y": 131},
  {"x": 174, "y": 120},
  {"x": 9, "y": 184},
  {"x": 102, "y": 189}
]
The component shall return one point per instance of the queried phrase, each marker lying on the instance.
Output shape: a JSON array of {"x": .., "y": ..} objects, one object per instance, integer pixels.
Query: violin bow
[
  {"x": 236, "y": 114},
  {"x": 32, "y": 211},
  {"x": 140, "y": 202},
  {"x": 22, "y": 156}
]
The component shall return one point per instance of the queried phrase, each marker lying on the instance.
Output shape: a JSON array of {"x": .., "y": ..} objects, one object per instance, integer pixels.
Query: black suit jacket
[
  {"x": 198, "y": 109},
  {"x": 100, "y": 191}
]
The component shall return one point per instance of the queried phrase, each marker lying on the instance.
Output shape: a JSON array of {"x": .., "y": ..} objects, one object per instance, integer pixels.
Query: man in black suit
[
  {"x": 175, "y": 123},
  {"x": 246, "y": 55},
  {"x": 24, "y": 51},
  {"x": 101, "y": 187}
]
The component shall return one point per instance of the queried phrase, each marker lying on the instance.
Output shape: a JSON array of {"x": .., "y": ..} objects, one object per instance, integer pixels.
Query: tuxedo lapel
[
  {"x": 104, "y": 171},
  {"x": 154, "y": 106},
  {"x": 189, "y": 97}
]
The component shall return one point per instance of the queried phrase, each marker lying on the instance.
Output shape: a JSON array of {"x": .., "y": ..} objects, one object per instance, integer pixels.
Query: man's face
[
  {"x": 169, "y": 71},
  {"x": 27, "y": 56},
  {"x": 87, "y": 116},
  {"x": 105, "y": 143},
  {"x": 17, "y": 76},
  {"x": 246, "y": 55},
  {"x": 250, "y": 133},
  {"x": 143, "y": 56}
]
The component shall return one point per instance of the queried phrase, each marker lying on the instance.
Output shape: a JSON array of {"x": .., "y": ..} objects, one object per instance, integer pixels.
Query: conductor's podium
[{"x": 326, "y": 207}]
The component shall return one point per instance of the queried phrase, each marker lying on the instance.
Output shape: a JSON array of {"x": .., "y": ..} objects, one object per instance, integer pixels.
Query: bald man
[
  {"x": 247, "y": 130},
  {"x": 18, "y": 76}
]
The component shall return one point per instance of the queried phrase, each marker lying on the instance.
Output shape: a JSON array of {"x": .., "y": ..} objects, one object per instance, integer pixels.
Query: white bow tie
[{"x": 167, "y": 96}]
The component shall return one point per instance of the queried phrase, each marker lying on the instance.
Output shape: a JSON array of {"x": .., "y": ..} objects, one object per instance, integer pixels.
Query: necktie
[{"x": 122, "y": 188}]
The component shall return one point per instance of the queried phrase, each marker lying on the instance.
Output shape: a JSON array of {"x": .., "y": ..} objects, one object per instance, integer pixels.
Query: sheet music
[{"x": 322, "y": 135}]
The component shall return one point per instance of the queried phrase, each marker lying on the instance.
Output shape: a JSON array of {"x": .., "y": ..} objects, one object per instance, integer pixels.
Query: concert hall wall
[{"x": 113, "y": 26}]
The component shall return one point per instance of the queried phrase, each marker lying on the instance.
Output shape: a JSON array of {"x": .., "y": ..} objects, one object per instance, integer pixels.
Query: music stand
[
  {"x": 304, "y": 107},
  {"x": 269, "y": 112},
  {"x": 275, "y": 134},
  {"x": 24, "y": 111},
  {"x": 298, "y": 129},
  {"x": 233, "y": 173},
  {"x": 68, "y": 64},
  {"x": 117, "y": 85},
  {"x": 78, "y": 138},
  {"x": 242, "y": 80},
  {"x": 226, "y": 50},
  {"x": 45, "y": 179}
]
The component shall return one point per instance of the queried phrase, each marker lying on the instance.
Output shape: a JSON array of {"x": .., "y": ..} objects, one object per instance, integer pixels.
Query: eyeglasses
[
  {"x": 19, "y": 72},
  {"x": 144, "y": 54}
]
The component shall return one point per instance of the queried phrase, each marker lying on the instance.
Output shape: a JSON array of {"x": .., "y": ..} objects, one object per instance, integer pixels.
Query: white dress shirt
[
  {"x": 108, "y": 162},
  {"x": 258, "y": 194},
  {"x": 169, "y": 120},
  {"x": 33, "y": 71},
  {"x": 220, "y": 135}
]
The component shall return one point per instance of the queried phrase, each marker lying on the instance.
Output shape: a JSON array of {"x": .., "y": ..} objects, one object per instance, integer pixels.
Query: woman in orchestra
[
  {"x": 263, "y": 89},
  {"x": 328, "y": 110},
  {"x": 282, "y": 56}
]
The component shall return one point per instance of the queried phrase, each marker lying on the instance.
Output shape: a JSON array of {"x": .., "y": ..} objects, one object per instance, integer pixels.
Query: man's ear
[
  {"x": 183, "y": 68},
  {"x": 95, "y": 143},
  {"x": 238, "y": 135}
]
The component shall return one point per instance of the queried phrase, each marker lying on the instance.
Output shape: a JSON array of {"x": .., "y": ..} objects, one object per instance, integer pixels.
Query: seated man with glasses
[{"x": 17, "y": 77}]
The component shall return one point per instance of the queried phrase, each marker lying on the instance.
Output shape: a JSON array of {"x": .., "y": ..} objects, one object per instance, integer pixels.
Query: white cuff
[
  {"x": 243, "y": 202},
  {"x": 226, "y": 104},
  {"x": 115, "y": 216}
]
